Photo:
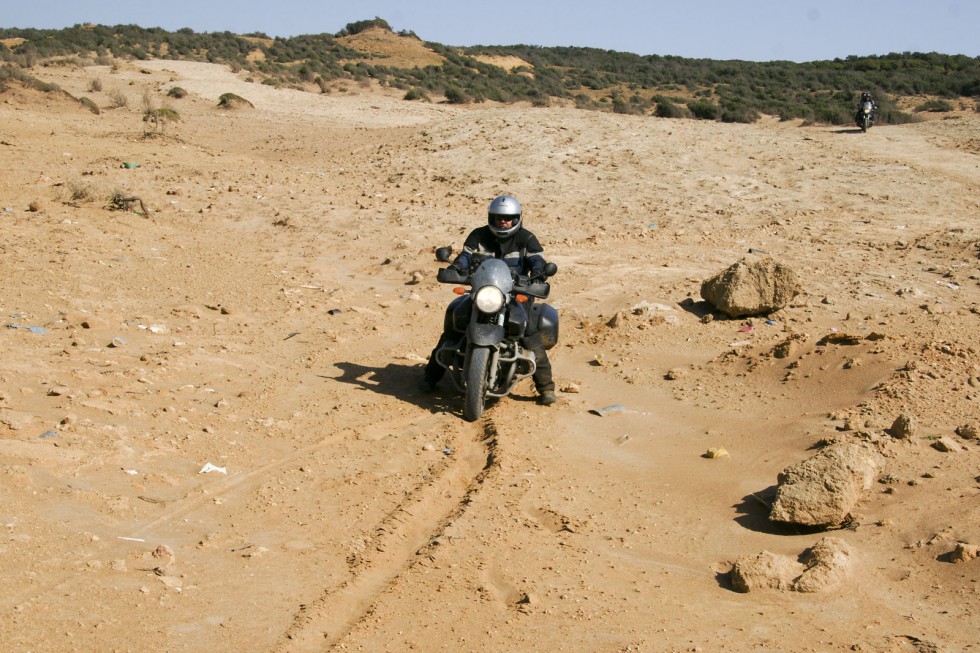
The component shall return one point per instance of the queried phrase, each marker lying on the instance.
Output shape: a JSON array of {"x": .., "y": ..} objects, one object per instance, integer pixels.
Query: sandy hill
[
  {"x": 212, "y": 435},
  {"x": 390, "y": 49}
]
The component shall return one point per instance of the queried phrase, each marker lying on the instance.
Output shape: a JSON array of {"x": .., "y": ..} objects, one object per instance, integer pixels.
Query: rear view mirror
[{"x": 444, "y": 254}]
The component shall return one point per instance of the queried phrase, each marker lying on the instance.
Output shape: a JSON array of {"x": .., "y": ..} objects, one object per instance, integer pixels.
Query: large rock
[
  {"x": 765, "y": 570},
  {"x": 756, "y": 287},
  {"x": 823, "y": 490},
  {"x": 821, "y": 568}
]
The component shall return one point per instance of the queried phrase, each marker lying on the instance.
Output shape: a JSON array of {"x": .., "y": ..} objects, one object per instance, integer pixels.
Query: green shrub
[
  {"x": 833, "y": 115},
  {"x": 895, "y": 117},
  {"x": 667, "y": 109},
  {"x": 416, "y": 94},
  {"x": 455, "y": 95},
  {"x": 739, "y": 114},
  {"x": 704, "y": 110},
  {"x": 232, "y": 101},
  {"x": 620, "y": 105},
  {"x": 361, "y": 25},
  {"x": 936, "y": 106}
]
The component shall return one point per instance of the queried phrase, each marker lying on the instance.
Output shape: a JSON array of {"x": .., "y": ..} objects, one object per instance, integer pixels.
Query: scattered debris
[
  {"x": 608, "y": 410},
  {"x": 32, "y": 329},
  {"x": 122, "y": 203}
]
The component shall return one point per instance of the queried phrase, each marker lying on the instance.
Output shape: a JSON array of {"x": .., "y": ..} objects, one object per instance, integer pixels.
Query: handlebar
[{"x": 535, "y": 286}]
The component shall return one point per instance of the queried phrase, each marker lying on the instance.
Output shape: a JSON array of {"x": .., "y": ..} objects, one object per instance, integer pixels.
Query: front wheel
[{"x": 477, "y": 377}]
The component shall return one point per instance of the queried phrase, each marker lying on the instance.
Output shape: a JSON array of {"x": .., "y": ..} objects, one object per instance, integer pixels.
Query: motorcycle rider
[
  {"x": 865, "y": 97},
  {"x": 504, "y": 237}
]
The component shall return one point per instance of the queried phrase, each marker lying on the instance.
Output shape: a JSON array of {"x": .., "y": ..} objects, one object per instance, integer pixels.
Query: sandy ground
[{"x": 260, "y": 317}]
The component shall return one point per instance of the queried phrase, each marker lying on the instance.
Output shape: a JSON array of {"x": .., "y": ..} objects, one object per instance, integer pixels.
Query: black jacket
[{"x": 521, "y": 251}]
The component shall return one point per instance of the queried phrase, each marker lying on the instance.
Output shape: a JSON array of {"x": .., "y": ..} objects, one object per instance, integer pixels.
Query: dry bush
[
  {"x": 78, "y": 192},
  {"x": 117, "y": 99},
  {"x": 89, "y": 104},
  {"x": 160, "y": 117}
]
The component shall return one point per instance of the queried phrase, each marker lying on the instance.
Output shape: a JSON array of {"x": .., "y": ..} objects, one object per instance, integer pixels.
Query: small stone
[
  {"x": 164, "y": 554},
  {"x": 968, "y": 431},
  {"x": 903, "y": 427},
  {"x": 947, "y": 445},
  {"x": 964, "y": 552},
  {"x": 528, "y": 599}
]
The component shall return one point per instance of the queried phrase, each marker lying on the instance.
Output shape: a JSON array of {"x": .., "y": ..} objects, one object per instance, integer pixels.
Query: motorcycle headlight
[{"x": 489, "y": 299}]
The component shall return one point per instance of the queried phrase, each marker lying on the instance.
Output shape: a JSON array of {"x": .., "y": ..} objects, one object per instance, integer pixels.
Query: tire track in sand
[{"x": 399, "y": 539}]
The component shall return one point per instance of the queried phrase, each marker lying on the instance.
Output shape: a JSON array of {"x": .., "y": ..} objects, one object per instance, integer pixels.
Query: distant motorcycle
[
  {"x": 866, "y": 116},
  {"x": 487, "y": 358}
]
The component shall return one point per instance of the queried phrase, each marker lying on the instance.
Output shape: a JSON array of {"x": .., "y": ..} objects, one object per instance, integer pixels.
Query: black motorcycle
[
  {"x": 865, "y": 116},
  {"x": 490, "y": 324}
]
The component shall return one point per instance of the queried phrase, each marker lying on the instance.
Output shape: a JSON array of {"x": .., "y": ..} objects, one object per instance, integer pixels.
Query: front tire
[{"x": 477, "y": 377}]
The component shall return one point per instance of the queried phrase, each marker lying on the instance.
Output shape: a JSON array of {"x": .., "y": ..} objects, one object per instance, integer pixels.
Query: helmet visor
[{"x": 501, "y": 220}]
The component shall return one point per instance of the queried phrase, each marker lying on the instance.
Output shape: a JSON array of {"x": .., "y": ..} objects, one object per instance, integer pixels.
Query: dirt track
[{"x": 263, "y": 319}]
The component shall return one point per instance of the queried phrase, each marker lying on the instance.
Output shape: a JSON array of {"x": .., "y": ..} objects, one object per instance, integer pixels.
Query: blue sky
[{"x": 755, "y": 30}]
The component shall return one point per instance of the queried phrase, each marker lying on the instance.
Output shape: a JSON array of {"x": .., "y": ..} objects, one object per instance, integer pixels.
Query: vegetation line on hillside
[{"x": 665, "y": 86}]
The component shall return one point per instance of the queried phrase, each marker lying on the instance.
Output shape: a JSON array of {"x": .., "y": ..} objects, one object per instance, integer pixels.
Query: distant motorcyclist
[
  {"x": 867, "y": 102},
  {"x": 503, "y": 237}
]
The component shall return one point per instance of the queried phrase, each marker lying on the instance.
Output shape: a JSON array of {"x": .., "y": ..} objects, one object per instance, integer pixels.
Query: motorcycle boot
[
  {"x": 547, "y": 398},
  {"x": 543, "y": 381}
]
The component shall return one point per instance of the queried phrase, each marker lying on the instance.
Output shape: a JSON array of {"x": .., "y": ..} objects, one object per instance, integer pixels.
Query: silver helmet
[{"x": 504, "y": 206}]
